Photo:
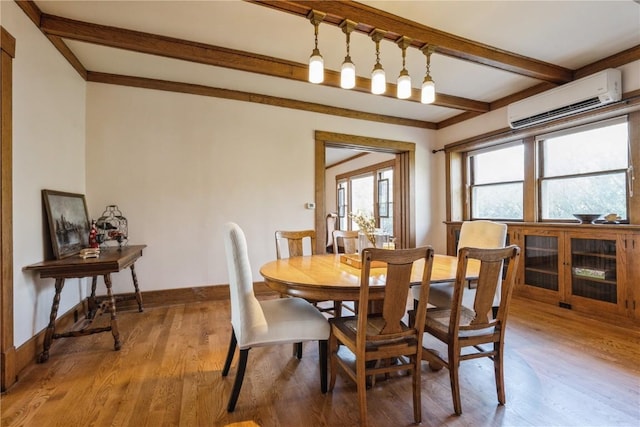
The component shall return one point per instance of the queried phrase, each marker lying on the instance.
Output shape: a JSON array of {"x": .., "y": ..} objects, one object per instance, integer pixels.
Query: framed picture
[
  {"x": 383, "y": 198},
  {"x": 68, "y": 221}
]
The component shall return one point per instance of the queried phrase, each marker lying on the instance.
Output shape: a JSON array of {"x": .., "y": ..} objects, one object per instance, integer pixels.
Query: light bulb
[
  {"x": 404, "y": 85},
  {"x": 316, "y": 67},
  {"x": 428, "y": 94},
  {"x": 378, "y": 80},
  {"x": 348, "y": 74}
]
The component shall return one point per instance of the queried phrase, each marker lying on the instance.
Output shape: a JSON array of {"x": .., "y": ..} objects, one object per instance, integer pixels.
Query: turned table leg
[
  {"x": 51, "y": 329},
  {"x": 112, "y": 310},
  {"x": 135, "y": 285},
  {"x": 92, "y": 303}
]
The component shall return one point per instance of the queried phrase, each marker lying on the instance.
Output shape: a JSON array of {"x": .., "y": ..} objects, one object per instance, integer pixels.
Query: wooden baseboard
[
  {"x": 28, "y": 352},
  {"x": 182, "y": 296},
  {"x": 8, "y": 367}
]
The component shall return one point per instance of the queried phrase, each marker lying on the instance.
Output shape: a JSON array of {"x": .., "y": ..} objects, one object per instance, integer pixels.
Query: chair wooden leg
[
  {"x": 337, "y": 309},
  {"x": 361, "y": 384},
  {"x": 237, "y": 384},
  {"x": 417, "y": 387},
  {"x": 333, "y": 350},
  {"x": 499, "y": 371},
  {"x": 297, "y": 350},
  {"x": 230, "y": 353},
  {"x": 322, "y": 349},
  {"x": 454, "y": 364}
]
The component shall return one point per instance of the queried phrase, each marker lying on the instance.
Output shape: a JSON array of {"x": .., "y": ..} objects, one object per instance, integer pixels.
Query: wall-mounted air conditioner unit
[{"x": 573, "y": 97}]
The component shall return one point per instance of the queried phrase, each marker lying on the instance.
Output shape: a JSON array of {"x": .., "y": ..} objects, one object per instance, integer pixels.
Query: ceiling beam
[
  {"x": 171, "y": 86},
  {"x": 35, "y": 14},
  {"x": 369, "y": 18},
  {"x": 617, "y": 60},
  {"x": 219, "y": 56}
]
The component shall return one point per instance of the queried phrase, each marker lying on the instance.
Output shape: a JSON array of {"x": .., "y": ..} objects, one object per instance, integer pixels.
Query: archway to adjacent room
[{"x": 404, "y": 181}]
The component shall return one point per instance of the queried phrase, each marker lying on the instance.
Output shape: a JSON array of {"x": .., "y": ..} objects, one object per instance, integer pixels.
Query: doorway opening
[{"x": 403, "y": 181}]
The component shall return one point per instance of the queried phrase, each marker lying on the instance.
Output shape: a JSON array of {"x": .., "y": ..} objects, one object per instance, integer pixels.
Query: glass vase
[{"x": 380, "y": 236}]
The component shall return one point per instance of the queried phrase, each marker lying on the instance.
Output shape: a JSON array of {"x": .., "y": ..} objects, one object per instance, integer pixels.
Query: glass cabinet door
[
  {"x": 541, "y": 261},
  {"x": 594, "y": 269}
]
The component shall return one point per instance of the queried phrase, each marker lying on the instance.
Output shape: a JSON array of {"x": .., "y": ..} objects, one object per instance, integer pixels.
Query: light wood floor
[{"x": 561, "y": 370}]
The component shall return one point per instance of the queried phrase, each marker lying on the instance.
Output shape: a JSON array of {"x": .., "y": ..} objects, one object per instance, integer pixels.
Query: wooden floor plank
[{"x": 561, "y": 369}]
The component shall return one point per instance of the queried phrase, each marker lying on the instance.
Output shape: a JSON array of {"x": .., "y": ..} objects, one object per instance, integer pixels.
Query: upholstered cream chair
[
  {"x": 473, "y": 234},
  {"x": 260, "y": 323},
  {"x": 471, "y": 332}
]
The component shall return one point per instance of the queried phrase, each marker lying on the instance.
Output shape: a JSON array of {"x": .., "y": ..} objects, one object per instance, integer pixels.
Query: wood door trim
[
  {"x": 404, "y": 176},
  {"x": 7, "y": 348}
]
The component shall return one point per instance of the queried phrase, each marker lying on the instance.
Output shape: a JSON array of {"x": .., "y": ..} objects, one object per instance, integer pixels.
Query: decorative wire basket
[{"x": 112, "y": 226}]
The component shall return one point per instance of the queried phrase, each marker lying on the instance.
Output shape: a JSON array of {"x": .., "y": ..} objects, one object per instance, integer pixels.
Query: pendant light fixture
[
  {"x": 378, "y": 78},
  {"x": 404, "y": 81},
  {"x": 428, "y": 94},
  {"x": 348, "y": 70},
  {"x": 316, "y": 63}
]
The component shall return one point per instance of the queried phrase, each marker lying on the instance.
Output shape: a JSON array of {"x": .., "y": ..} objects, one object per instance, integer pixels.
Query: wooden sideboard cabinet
[{"x": 593, "y": 269}]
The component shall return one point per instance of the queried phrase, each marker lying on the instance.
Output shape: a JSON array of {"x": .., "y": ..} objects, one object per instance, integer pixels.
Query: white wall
[
  {"x": 48, "y": 152},
  {"x": 179, "y": 166}
]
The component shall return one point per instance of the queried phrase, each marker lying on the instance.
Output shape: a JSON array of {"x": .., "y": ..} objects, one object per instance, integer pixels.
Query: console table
[{"x": 111, "y": 260}]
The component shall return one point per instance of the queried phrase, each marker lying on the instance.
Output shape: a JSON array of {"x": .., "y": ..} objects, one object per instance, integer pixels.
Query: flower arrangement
[{"x": 367, "y": 225}]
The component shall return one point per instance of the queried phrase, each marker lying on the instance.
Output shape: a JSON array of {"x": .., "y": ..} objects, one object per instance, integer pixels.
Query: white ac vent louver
[{"x": 580, "y": 95}]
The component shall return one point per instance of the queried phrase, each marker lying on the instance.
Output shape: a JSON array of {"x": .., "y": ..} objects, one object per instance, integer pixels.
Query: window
[
  {"x": 362, "y": 196},
  {"x": 385, "y": 200},
  {"x": 547, "y": 176},
  {"x": 343, "y": 196},
  {"x": 370, "y": 191},
  {"x": 584, "y": 170},
  {"x": 496, "y": 183}
]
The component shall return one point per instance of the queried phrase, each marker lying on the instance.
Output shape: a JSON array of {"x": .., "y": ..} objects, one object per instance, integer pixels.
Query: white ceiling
[{"x": 570, "y": 34}]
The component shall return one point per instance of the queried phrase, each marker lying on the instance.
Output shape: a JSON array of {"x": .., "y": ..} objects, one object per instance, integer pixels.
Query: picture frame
[
  {"x": 383, "y": 198},
  {"x": 68, "y": 220}
]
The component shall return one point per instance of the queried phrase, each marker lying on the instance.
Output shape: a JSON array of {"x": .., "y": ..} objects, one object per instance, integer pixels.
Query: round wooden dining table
[{"x": 326, "y": 277}]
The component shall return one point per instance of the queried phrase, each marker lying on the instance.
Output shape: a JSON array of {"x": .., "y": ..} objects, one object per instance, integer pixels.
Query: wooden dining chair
[
  {"x": 460, "y": 327},
  {"x": 476, "y": 234},
  {"x": 260, "y": 323},
  {"x": 295, "y": 243},
  {"x": 332, "y": 224},
  {"x": 347, "y": 240},
  {"x": 375, "y": 338},
  {"x": 300, "y": 243}
]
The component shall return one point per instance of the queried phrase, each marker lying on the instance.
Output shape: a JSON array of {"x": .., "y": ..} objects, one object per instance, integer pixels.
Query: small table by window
[{"x": 111, "y": 260}]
